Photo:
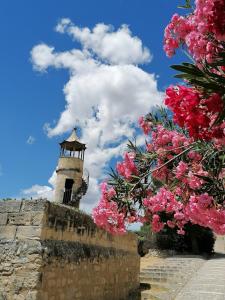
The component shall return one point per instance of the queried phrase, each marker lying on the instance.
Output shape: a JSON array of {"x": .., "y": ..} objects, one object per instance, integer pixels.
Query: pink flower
[
  {"x": 194, "y": 155},
  {"x": 194, "y": 182},
  {"x": 127, "y": 168},
  {"x": 106, "y": 214},
  {"x": 181, "y": 169},
  {"x": 171, "y": 224},
  {"x": 157, "y": 225},
  {"x": 201, "y": 31},
  {"x": 199, "y": 211},
  {"x": 175, "y": 34},
  {"x": 181, "y": 231},
  {"x": 195, "y": 112},
  {"x": 179, "y": 216},
  {"x": 205, "y": 200},
  {"x": 146, "y": 126}
]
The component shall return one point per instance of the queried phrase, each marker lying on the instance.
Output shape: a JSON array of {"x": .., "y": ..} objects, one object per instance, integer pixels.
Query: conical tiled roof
[
  {"x": 73, "y": 137},
  {"x": 72, "y": 143}
]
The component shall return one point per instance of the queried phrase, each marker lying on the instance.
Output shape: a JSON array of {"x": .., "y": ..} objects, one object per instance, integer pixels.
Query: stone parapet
[{"x": 49, "y": 251}]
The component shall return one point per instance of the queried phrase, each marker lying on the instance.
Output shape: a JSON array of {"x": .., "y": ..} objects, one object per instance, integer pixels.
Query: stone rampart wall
[{"x": 52, "y": 252}]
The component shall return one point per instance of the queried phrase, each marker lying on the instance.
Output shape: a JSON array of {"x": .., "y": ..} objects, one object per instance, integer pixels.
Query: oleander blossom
[
  {"x": 127, "y": 167},
  {"x": 165, "y": 201},
  {"x": 145, "y": 125},
  {"x": 195, "y": 112},
  {"x": 201, "y": 31},
  {"x": 210, "y": 17},
  {"x": 166, "y": 144},
  {"x": 175, "y": 34},
  {"x": 201, "y": 211},
  {"x": 181, "y": 170},
  {"x": 106, "y": 215}
]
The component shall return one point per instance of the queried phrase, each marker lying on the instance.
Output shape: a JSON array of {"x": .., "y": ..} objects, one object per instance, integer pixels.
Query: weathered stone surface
[
  {"x": 37, "y": 218},
  {"x": 10, "y": 206},
  {"x": 19, "y": 218},
  {"x": 28, "y": 232},
  {"x": 22, "y": 218},
  {"x": 34, "y": 205},
  {"x": 7, "y": 232},
  {"x": 3, "y": 219},
  {"x": 50, "y": 251}
]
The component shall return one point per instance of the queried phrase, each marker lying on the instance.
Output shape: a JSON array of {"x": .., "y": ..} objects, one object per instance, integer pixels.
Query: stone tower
[{"x": 71, "y": 184}]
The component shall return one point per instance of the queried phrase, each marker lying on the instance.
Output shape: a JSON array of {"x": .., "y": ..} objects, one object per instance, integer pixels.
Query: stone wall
[{"x": 49, "y": 251}]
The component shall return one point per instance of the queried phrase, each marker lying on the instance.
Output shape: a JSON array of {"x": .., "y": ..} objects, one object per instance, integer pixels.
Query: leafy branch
[{"x": 187, "y": 5}]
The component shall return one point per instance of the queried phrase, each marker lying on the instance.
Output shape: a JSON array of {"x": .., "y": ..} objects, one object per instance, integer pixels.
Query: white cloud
[
  {"x": 115, "y": 47},
  {"x": 30, "y": 140},
  {"x": 38, "y": 191},
  {"x": 106, "y": 93},
  {"x": 43, "y": 54}
]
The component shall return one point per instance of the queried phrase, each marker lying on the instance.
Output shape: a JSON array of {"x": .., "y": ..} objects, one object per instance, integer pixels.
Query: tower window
[{"x": 68, "y": 190}]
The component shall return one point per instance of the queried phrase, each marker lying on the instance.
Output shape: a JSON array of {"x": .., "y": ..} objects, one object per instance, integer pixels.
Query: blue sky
[{"x": 30, "y": 98}]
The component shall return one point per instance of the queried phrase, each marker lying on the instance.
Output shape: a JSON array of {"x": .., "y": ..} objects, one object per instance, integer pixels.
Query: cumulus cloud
[
  {"x": 38, "y": 191},
  {"x": 115, "y": 47},
  {"x": 30, "y": 140},
  {"x": 106, "y": 92}
]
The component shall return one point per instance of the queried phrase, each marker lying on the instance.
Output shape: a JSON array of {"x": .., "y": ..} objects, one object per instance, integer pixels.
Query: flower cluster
[
  {"x": 166, "y": 144},
  {"x": 201, "y": 211},
  {"x": 106, "y": 214},
  {"x": 175, "y": 33},
  {"x": 184, "y": 203},
  {"x": 201, "y": 32},
  {"x": 195, "y": 112},
  {"x": 127, "y": 168},
  {"x": 165, "y": 201},
  {"x": 209, "y": 17}
]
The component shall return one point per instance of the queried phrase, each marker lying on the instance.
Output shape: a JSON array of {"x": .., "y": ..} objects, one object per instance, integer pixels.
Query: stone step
[
  {"x": 167, "y": 279},
  {"x": 149, "y": 271},
  {"x": 165, "y": 276},
  {"x": 150, "y": 295},
  {"x": 161, "y": 279}
]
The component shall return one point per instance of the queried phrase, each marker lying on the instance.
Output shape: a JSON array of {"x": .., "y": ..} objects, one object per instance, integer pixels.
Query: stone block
[
  {"x": 28, "y": 232},
  {"x": 37, "y": 218},
  {"x": 3, "y": 219},
  {"x": 32, "y": 295},
  {"x": 10, "y": 206},
  {"x": 19, "y": 218},
  {"x": 34, "y": 205},
  {"x": 7, "y": 232}
]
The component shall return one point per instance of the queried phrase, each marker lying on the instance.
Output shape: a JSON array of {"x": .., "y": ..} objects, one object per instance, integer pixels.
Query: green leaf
[
  {"x": 187, "y": 5},
  {"x": 220, "y": 118},
  {"x": 188, "y": 68}
]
